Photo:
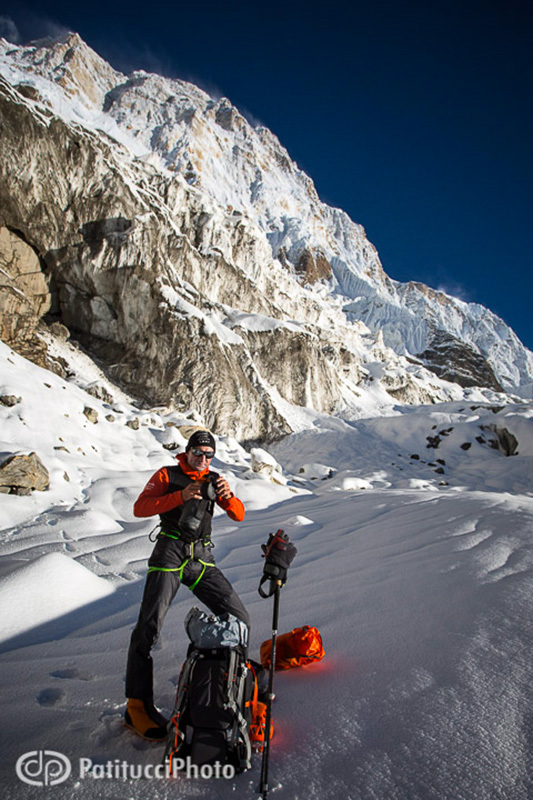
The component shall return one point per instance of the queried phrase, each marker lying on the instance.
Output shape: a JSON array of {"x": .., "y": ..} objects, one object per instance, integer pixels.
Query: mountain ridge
[{"x": 177, "y": 199}]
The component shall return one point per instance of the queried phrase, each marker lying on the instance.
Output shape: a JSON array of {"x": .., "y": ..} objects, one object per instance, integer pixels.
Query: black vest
[{"x": 200, "y": 510}]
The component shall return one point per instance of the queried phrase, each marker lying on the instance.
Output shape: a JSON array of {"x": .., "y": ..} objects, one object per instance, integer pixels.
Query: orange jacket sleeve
[
  {"x": 155, "y": 497},
  {"x": 233, "y": 508}
]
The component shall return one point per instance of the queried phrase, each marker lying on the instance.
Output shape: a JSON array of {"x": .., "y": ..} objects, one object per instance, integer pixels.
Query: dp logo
[{"x": 43, "y": 768}]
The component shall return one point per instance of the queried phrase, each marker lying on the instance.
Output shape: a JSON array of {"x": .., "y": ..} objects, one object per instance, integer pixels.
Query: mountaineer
[{"x": 184, "y": 496}]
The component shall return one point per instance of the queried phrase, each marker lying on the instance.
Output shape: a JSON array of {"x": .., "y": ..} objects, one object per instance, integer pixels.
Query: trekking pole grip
[{"x": 278, "y": 553}]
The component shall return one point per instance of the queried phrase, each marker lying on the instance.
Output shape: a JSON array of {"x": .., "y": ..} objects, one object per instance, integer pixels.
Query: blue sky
[{"x": 414, "y": 116}]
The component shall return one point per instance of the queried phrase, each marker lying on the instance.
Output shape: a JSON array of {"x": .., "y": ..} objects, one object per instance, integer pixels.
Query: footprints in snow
[
  {"x": 98, "y": 560},
  {"x": 68, "y": 545},
  {"x": 67, "y": 693},
  {"x": 50, "y": 697},
  {"x": 70, "y": 673},
  {"x": 53, "y": 696}
]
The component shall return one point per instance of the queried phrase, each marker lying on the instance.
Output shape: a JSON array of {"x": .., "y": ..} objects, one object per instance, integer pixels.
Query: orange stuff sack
[{"x": 295, "y": 649}]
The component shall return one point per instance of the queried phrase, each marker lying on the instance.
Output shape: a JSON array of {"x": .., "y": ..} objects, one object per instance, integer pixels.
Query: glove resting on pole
[{"x": 278, "y": 553}]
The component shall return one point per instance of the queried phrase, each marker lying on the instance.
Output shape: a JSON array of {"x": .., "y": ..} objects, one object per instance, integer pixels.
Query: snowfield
[{"x": 414, "y": 561}]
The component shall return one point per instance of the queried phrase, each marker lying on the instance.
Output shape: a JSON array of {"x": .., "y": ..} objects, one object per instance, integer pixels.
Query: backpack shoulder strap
[
  {"x": 177, "y": 479},
  {"x": 235, "y": 700},
  {"x": 176, "y": 734}
]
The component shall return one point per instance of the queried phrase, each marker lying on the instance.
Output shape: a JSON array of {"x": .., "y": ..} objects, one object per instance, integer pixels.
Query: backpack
[
  {"x": 295, "y": 649},
  {"x": 210, "y": 724}
]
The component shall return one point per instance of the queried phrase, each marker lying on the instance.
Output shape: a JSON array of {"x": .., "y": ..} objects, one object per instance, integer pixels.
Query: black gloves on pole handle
[{"x": 278, "y": 553}]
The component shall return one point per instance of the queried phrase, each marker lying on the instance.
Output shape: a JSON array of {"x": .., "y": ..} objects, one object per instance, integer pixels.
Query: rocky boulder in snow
[
  {"x": 266, "y": 465},
  {"x": 503, "y": 440},
  {"x": 91, "y": 414},
  {"x": 21, "y": 474},
  {"x": 9, "y": 400}
]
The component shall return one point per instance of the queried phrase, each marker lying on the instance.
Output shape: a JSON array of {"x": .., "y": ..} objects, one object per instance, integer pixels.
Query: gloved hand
[{"x": 278, "y": 554}]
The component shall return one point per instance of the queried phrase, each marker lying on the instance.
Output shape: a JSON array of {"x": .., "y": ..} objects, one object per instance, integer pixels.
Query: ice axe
[{"x": 278, "y": 553}]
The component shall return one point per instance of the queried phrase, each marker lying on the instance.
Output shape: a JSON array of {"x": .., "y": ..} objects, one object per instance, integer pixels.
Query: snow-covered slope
[
  {"x": 247, "y": 174},
  {"x": 414, "y": 561}
]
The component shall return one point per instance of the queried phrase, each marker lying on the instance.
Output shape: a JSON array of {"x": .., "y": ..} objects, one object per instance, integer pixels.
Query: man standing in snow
[{"x": 184, "y": 496}]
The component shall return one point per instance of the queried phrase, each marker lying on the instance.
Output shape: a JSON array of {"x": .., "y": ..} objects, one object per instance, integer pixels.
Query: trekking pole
[
  {"x": 263, "y": 786},
  {"x": 278, "y": 554}
]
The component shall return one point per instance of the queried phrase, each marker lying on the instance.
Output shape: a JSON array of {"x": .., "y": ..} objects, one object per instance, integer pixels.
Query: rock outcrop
[
  {"x": 21, "y": 474},
  {"x": 24, "y": 295},
  {"x": 456, "y": 361},
  {"x": 503, "y": 440},
  {"x": 187, "y": 252},
  {"x": 147, "y": 274}
]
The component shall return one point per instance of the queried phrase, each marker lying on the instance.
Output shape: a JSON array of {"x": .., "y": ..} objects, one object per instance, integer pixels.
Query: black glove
[{"x": 278, "y": 554}]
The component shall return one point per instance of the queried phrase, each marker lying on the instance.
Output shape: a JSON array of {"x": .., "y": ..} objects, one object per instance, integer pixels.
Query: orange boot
[{"x": 144, "y": 718}]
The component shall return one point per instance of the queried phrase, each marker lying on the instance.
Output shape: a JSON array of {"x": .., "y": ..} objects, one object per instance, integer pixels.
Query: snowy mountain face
[{"x": 183, "y": 248}]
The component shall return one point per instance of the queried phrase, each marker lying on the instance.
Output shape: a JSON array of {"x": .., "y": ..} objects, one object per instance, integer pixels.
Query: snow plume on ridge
[
  {"x": 453, "y": 289},
  {"x": 9, "y": 30},
  {"x": 32, "y": 26}
]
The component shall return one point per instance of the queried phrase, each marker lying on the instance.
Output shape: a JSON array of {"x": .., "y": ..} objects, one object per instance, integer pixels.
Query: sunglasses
[{"x": 207, "y": 453}]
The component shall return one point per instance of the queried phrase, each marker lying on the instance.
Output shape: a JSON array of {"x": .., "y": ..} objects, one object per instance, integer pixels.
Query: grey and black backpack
[{"x": 210, "y": 723}]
